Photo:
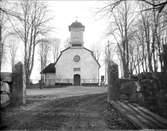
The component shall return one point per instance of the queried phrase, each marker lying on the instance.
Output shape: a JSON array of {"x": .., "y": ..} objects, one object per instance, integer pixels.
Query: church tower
[{"x": 76, "y": 34}]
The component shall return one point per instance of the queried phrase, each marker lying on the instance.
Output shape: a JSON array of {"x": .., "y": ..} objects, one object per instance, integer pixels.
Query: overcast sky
[{"x": 65, "y": 12}]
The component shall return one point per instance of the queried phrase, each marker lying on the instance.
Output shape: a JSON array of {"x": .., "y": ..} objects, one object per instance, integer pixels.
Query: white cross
[{"x": 76, "y": 18}]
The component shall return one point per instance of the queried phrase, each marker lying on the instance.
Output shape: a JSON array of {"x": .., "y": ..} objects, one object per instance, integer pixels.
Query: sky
[{"x": 66, "y": 12}]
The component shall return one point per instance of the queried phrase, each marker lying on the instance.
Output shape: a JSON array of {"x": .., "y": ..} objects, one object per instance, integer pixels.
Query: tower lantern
[{"x": 76, "y": 33}]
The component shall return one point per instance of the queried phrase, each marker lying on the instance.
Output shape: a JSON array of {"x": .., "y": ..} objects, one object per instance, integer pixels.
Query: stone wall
[
  {"x": 5, "y": 93},
  {"x": 130, "y": 90},
  {"x": 152, "y": 92},
  {"x": 5, "y": 83},
  {"x": 154, "y": 89},
  {"x": 13, "y": 86},
  {"x": 147, "y": 89}
]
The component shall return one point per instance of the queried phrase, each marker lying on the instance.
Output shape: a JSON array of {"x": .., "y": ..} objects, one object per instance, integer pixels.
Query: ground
[{"x": 70, "y": 108}]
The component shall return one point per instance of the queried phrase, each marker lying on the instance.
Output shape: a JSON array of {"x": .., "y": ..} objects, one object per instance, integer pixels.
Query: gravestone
[
  {"x": 113, "y": 81},
  {"x": 18, "y": 91}
]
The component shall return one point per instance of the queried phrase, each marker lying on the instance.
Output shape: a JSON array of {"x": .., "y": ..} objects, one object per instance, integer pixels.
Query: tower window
[
  {"x": 76, "y": 69},
  {"x": 75, "y": 45}
]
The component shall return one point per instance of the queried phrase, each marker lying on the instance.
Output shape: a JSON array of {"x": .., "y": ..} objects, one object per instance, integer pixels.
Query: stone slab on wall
[
  {"x": 5, "y": 94},
  {"x": 113, "y": 81},
  {"x": 6, "y": 76},
  {"x": 5, "y": 87},
  {"x": 18, "y": 91},
  {"x": 5, "y": 84}
]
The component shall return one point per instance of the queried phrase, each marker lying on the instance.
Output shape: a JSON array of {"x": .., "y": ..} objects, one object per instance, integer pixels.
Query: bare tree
[
  {"x": 67, "y": 43},
  {"x": 141, "y": 42},
  {"x": 107, "y": 59},
  {"x": 3, "y": 35},
  {"x": 44, "y": 48},
  {"x": 6, "y": 10},
  {"x": 154, "y": 5},
  {"x": 163, "y": 55},
  {"x": 1, "y": 44},
  {"x": 96, "y": 51},
  {"x": 122, "y": 30},
  {"x": 32, "y": 27},
  {"x": 153, "y": 25},
  {"x": 55, "y": 44},
  {"x": 13, "y": 47}
]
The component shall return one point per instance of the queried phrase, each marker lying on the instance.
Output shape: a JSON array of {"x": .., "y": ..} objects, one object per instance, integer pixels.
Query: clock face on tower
[{"x": 76, "y": 58}]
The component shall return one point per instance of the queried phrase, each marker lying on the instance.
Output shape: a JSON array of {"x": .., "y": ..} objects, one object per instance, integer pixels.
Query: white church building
[{"x": 76, "y": 65}]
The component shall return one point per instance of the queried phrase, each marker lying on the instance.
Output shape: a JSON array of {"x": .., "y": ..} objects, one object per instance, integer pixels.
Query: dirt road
[
  {"x": 66, "y": 91},
  {"x": 88, "y": 112}
]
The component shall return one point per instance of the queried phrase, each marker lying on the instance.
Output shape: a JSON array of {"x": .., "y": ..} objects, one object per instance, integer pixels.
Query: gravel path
[{"x": 88, "y": 112}]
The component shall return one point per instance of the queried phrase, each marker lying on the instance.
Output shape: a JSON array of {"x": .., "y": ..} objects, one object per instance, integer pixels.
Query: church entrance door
[{"x": 77, "y": 80}]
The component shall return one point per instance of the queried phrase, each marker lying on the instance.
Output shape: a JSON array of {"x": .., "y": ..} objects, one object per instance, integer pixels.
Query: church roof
[
  {"x": 92, "y": 55},
  {"x": 76, "y": 24},
  {"x": 49, "y": 69}
]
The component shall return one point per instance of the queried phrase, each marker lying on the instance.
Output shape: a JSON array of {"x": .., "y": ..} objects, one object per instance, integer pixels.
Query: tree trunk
[
  {"x": 165, "y": 58},
  {"x": 27, "y": 79},
  {"x": 1, "y": 50}
]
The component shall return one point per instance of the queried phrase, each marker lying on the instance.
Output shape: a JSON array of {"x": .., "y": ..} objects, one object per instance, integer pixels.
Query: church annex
[{"x": 76, "y": 65}]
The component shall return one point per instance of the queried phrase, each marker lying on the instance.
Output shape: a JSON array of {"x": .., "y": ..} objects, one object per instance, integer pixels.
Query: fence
[{"x": 70, "y": 81}]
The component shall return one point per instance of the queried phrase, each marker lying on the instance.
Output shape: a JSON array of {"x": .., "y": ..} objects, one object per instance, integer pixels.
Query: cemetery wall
[{"x": 13, "y": 86}]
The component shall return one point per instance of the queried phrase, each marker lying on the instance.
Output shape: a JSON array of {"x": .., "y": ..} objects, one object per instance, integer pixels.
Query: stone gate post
[
  {"x": 18, "y": 91},
  {"x": 113, "y": 81}
]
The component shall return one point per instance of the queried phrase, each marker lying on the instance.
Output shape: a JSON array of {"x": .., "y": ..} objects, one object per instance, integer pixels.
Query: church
[{"x": 76, "y": 65}]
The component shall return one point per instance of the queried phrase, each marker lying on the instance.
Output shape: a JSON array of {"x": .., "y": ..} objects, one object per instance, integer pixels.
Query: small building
[{"x": 76, "y": 65}]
